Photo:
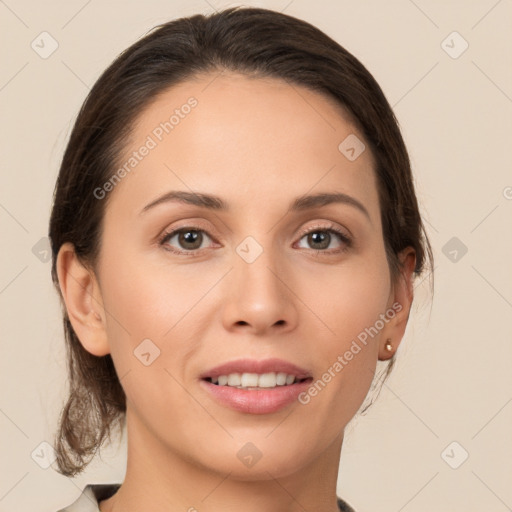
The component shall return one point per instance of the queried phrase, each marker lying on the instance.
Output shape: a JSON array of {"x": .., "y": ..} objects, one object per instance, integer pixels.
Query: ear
[
  {"x": 402, "y": 296},
  {"x": 82, "y": 297}
]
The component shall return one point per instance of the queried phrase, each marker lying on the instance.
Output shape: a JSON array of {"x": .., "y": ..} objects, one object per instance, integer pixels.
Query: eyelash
[{"x": 346, "y": 240}]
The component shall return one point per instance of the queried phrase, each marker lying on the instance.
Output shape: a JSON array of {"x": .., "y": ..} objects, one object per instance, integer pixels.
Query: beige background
[{"x": 453, "y": 380}]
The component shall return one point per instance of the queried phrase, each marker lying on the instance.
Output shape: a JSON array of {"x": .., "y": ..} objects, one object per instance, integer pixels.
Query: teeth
[
  {"x": 234, "y": 379},
  {"x": 281, "y": 379},
  {"x": 254, "y": 380},
  {"x": 249, "y": 380}
]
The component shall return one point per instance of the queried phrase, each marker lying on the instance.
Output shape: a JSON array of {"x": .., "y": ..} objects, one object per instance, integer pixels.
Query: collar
[{"x": 92, "y": 494}]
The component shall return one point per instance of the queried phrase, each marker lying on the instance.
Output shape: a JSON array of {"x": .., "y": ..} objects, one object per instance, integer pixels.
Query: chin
[{"x": 248, "y": 463}]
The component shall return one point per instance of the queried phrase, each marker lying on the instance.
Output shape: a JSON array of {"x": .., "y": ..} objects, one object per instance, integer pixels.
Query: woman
[{"x": 235, "y": 236}]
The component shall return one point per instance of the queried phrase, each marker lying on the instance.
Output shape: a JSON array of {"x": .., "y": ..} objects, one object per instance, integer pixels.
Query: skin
[{"x": 258, "y": 144}]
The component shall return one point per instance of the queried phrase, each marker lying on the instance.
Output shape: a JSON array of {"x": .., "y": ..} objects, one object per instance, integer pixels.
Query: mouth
[
  {"x": 256, "y": 386},
  {"x": 255, "y": 381},
  {"x": 256, "y": 374}
]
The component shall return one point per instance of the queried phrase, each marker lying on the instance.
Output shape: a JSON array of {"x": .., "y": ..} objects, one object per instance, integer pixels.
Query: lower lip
[{"x": 256, "y": 401}]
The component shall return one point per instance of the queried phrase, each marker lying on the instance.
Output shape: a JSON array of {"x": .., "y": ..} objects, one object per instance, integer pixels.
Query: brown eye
[
  {"x": 320, "y": 239},
  {"x": 184, "y": 239}
]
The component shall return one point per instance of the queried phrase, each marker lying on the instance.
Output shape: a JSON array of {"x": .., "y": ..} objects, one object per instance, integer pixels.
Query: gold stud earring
[{"x": 388, "y": 345}]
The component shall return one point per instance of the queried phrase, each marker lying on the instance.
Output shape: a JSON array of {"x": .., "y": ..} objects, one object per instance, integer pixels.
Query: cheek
[
  {"x": 154, "y": 326},
  {"x": 349, "y": 300},
  {"x": 148, "y": 299},
  {"x": 150, "y": 333}
]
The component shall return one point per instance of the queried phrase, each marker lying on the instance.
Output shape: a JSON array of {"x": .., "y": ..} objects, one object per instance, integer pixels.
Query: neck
[{"x": 159, "y": 478}]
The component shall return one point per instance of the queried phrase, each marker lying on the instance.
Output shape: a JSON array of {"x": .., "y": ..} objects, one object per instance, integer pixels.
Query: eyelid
[{"x": 323, "y": 227}]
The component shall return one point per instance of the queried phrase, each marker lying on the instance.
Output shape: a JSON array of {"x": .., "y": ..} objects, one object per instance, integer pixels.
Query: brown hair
[{"x": 258, "y": 42}]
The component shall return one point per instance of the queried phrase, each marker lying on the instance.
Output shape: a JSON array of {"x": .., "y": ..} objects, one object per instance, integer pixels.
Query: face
[{"x": 186, "y": 287}]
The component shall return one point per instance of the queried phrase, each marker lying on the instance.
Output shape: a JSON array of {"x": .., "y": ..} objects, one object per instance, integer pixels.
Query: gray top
[{"x": 92, "y": 494}]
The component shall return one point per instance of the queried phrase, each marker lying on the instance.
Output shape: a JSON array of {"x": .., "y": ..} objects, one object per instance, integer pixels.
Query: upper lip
[{"x": 256, "y": 366}]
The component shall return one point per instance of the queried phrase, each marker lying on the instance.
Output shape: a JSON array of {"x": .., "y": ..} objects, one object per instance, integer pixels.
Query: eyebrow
[{"x": 301, "y": 203}]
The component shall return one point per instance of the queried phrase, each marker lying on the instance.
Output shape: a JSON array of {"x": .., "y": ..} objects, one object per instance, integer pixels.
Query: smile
[{"x": 253, "y": 381}]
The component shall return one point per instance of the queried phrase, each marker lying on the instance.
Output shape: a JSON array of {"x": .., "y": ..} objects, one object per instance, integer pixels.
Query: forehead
[{"x": 249, "y": 140}]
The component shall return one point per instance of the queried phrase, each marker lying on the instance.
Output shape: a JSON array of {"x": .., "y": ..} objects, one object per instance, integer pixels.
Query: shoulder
[
  {"x": 344, "y": 506},
  {"x": 90, "y": 497}
]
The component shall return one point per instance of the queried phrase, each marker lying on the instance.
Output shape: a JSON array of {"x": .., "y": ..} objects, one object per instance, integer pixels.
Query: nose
[{"x": 259, "y": 297}]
